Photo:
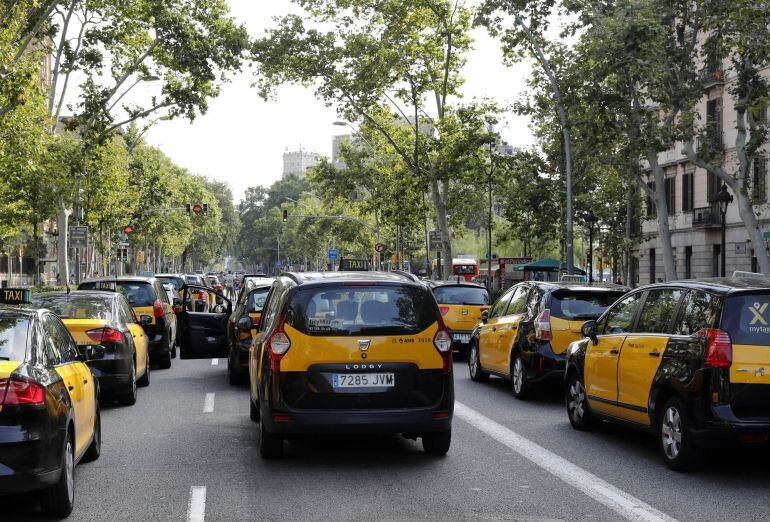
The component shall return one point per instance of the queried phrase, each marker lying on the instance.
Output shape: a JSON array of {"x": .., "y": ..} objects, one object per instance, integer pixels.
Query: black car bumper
[
  {"x": 714, "y": 436},
  {"x": 367, "y": 421},
  {"x": 544, "y": 365},
  {"x": 240, "y": 357},
  {"x": 459, "y": 347},
  {"x": 112, "y": 371},
  {"x": 30, "y": 452}
]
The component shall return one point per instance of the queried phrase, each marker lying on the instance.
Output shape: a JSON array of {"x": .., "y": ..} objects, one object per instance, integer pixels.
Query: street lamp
[
  {"x": 591, "y": 219},
  {"x": 723, "y": 198}
]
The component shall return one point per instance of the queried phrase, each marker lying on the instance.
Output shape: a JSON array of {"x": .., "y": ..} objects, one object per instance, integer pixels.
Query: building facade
[{"x": 298, "y": 162}]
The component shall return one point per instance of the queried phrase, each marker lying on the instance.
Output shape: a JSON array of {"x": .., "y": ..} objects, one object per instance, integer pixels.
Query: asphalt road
[{"x": 182, "y": 453}]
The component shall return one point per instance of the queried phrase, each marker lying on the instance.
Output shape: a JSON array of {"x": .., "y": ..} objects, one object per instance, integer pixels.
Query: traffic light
[
  {"x": 205, "y": 209},
  {"x": 187, "y": 208},
  {"x": 285, "y": 215}
]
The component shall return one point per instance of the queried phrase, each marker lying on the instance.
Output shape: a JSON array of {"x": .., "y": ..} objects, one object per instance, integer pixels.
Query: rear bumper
[
  {"x": 30, "y": 455},
  {"x": 373, "y": 421},
  {"x": 459, "y": 347},
  {"x": 712, "y": 435},
  {"x": 240, "y": 358},
  {"x": 111, "y": 373},
  {"x": 544, "y": 365}
]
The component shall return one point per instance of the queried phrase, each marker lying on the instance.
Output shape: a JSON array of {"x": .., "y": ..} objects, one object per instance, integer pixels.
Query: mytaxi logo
[{"x": 758, "y": 312}]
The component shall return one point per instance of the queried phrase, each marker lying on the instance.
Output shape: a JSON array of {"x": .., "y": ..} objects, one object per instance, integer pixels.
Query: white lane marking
[
  {"x": 196, "y": 508},
  {"x": 214, "y": 362},
  {"x": 208, "y": 404},
  {"x": 616, "y": 499}
]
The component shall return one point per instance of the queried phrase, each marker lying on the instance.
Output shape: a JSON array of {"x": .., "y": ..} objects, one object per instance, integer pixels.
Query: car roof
[
  {"x": 25, "y": 310},
  {"x": 579, "y": 286},
  {"x": 84, "y": 293},
  {"x": 720, "y": 285},
  {"x": 169, "y": 275},
  {"x": 258, "y": 282},
  {"x": 121, "y": 279},
  {"x": 392, "y": 277},
  {"x": 471, "y": 284}
]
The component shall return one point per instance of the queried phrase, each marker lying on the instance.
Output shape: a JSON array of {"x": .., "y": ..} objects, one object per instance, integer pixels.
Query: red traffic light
[
  {"x": 128, "y": 229},
  {"x": 197, "y": 208}
]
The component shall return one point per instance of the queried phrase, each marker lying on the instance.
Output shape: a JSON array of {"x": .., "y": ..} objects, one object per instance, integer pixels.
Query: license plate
[
  {"x": 363, "y": 380},
  {"x": 462, "y": 338}
]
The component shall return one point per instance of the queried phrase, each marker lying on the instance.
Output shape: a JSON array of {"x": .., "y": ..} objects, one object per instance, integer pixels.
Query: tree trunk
[
  {"x": 664, "y": 233},
  {"x": 62, "y": 258},
  {"x": 443, "y": 226}
]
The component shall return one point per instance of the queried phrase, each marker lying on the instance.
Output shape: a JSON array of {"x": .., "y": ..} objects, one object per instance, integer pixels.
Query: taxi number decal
[{"x": 403, "y": 340}]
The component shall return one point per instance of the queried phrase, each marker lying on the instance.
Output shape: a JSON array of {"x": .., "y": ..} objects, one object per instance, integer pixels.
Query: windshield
[
  {"x": 372, "y": 310},
  {"x": 578, "y": 306},
  {"x": 137, "y": 293},
  {"x": 75, "y": 306},
  {"x": 256, "y": 300},
  {"x": 461, "y": 295},
  {"x": 14, "y": 332},
  {"x": 176, "y": 282}
]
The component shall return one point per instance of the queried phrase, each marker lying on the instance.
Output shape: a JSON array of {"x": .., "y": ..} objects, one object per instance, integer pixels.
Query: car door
[
  {"x": 138, "y": 337},
  {"x": 600, "y": 371},
  {"x": 168, "y": 312},
  {"x": 204, "y": 333},
  {"x": 488, "y": 335},
  {"x": 507, "y": 328}
]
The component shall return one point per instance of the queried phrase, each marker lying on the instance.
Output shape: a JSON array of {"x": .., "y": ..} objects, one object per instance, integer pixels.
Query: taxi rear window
[
  {"x": 747, "y": 319},
  {"x": 176, "y": 282},
  {"x": 461, "y": 295},
  {"x": 77, "y": 306},
  {"x": 362, "y": 310},
  {"x": 257, "y": 300},
  {"x": 14, "y": 333},
  {"x": 581, "y": 306},
  {"x": 137, "y": 293}
]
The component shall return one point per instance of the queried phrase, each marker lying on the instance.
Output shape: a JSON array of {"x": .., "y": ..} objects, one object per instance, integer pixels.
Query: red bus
[{"x": 465, "y": 268}]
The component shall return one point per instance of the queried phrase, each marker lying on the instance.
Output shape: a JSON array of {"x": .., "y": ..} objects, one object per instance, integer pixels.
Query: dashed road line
[
  {"x": 196, "y": 508},
  {"x": 214, "y": 362},
  {"x": 603, "y": 492},
  {"x": 208, "y": 403}
]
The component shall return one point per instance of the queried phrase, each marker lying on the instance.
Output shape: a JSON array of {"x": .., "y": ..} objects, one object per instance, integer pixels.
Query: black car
[{"x": 242, "y": 325}]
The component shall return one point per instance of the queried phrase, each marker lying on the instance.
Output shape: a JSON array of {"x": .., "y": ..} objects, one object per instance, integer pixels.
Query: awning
[{"x": 547, "y": 265}]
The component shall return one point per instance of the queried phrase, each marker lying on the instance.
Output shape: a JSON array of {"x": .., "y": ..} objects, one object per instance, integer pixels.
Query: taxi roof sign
[
  {"x": 14, "y": 296},
  {"x": 356, "y": 265}
]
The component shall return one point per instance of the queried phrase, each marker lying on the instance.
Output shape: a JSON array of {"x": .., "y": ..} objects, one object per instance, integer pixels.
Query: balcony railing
[
  {"x": 712, "y": 141},
  {"x": 712, "y": 76},
  {"x": 706, "y": 217}
]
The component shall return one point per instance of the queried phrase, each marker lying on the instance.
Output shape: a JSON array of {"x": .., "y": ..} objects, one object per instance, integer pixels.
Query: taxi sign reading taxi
[
  {"x": 15, "y": 296},
  {"x": 334, "y": 254},
  {"x": 354, "y": 265}
]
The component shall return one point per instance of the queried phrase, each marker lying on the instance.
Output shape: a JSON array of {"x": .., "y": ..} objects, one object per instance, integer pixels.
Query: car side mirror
[
  {"x": 245, "y": 324},
  {"x": 145, "y": 320},
  {"x": 589, "y": 330},
  {"x": 485, "y": 316}
]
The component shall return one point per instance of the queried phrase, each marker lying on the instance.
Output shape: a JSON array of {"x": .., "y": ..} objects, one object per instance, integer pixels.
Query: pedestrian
[{"x": 230, "y": 284}]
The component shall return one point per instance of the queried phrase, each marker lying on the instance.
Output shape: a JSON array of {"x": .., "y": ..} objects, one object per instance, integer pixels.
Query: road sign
[
  {"x": 278, "y": 264},
  {"x": 435, "y": 239},
  {"x": 128, "y": 229},
  {"x": 334, "y": 254},
  {"x": 197, "y": 208},
  {"x": 79, "y": 237},
  {"x": 379, "y": 247}
]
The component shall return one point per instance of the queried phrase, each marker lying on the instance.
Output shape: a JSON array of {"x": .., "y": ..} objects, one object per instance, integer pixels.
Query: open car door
[{"x": 203, "y": 323}]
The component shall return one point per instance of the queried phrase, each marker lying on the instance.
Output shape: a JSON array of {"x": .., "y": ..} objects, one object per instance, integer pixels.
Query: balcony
[
  {"x": 711, "y": 143},
  {"x": 707, "y": 217},
  {"x": 711, "y": 76}
]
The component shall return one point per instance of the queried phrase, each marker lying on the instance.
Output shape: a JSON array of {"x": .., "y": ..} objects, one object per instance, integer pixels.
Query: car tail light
[
  {"x": 105, "y": 335},
  {"x": 443, "y": 343},
  {"x": 21, "y": 392},
  {"x": 279, "y": 343},
  {"x": 157, "y": 308},
  {"x": 543, "y": 326},
  {"x": 444, "y": 310},
  {"x": 484, "y": 309},
  {"x": 720, "y": 348}
]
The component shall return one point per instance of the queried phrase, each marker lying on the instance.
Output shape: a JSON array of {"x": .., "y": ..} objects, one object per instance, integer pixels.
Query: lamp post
[
  {"x": 591, "y": 219},
  {"x": 723, "y": 198}
]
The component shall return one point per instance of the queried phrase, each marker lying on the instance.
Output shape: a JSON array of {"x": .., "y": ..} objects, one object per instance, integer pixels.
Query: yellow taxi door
[
  {"x": 642, "y": 353},
  {"x": 488, "y": 336},
  {"x": 508, "y": 328},
  {"x": 600, "y": 370},
  {"x": 140, "y": 345}
]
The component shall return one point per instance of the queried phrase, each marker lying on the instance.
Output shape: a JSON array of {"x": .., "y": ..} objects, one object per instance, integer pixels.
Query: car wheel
[
  {"x": 127, "y": 397},
  {"x": 145, "y": 379},
  {"x": 270, "y": 444},
  {"x": 173, "y": 350},
  {"x": 59, "y": 499},
  {"x": 519, "y": 383},
  {"x": 164, "y": 359},
  {"x": 95, "y": 449},
  {"x": 437, "y": 443},
  {"x": 232, "y": 375},
  {"x": 474, "y": 364},
  {"x": 579, "y": 415},
  {"x": 676, "y": 444},
  {"x": 253, "y": 410}
]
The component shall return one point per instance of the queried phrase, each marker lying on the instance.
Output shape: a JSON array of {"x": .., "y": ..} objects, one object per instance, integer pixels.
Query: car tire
[
  {"x": 474, "y": 364},
  {"x": 127, "y": 396},
  {"x": 253, "y": 410},
  {"x": 144, "y": 380},
  {"x": 519, "y": 384},
  {"x": 164, "y": 359},
  {"x": 576, "y": 400},
  {"x": 59, "y": 499},
  {"x": 233, "y": 377},
  {"x": 676, "y": 444},
  {"x": 270, "y": 444},
  {"x": 173, "y": 350},
  {"x": 95, "y": 449},
  {"x": 437, "y": 443}
]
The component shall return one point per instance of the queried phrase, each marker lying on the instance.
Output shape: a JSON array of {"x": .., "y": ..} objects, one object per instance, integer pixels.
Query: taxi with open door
[
  {"x": 203, "y": 330},
  {"x": 105, "y": 329},
  {"x": 351, "y": 352},
  {"x": 529, "y": 328},
  {"x": 687, "y": 361},
  {"x": 242, "y": 326},
  {"x": 49, "y": 412},
  {"x": 461, "y": 305}
]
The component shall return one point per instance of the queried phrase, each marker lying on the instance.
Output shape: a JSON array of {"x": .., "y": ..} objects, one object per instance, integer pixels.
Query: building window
[
  {"x": 715, "y": 260},
  {"x": 759, "y": 179},
  {"x": 688, "y": 262},
  {"x": 712, "y": 187},
  {"x": 687, "y": 191},
  {"x": 671, "y": 195},
  {"x": 652, "y": 265},
  {"x": 651, "y": 214},
  {"x": 714, "y": 123}
]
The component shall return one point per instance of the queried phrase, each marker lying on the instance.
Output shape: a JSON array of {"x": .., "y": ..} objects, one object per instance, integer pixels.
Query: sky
[{"x": 241, "y": 139}]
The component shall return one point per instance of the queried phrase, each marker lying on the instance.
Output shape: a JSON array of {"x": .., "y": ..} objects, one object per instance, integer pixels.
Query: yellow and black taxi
[
  {"x": 351, "y": 352},
  {"x": 526, "y": 333},
  {"x": 242, "y": 326},
  {"x": 49, "y": 412},
  {"x": 105, "y": 329},
  {"x": 687, "y": 361},
  {"x": 147, "y": 297},
  {"x": 461, "y": 304}
]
